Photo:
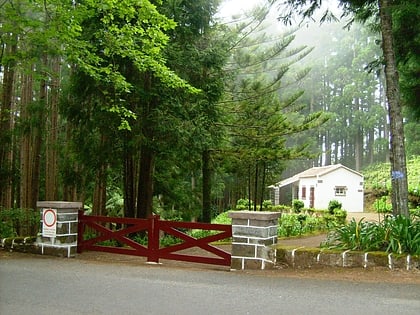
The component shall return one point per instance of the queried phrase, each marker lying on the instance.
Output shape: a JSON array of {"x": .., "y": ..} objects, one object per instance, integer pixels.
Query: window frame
[{"x": 340, "y": 191}]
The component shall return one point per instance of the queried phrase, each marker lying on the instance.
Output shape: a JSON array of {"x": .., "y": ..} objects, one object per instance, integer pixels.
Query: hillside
[{"x": 378, "y": 182}]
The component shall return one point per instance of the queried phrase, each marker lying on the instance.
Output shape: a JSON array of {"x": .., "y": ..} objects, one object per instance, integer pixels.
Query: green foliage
[
  {"x": 244, "y": 204},
  {"x": 222, "y": 218},
  {"x": 399, "y": 234},
  {"x": 377, "y": 179},
  {"x": 333, "y": 205},
  {"x": 382, "y": 205},
  {"x": 281, "y": 208},
  {"x": 297, "y": 224},
  {"x": 18, "y": 222},
  {"x": 340, "y": 216},
  {"x": 415, "y": 213},
  {"x": 377, "y": 176},
  {"x": 267, "y": 204},
  {"x": 289, "y": 225},
  {"x": 115, "y": 204},
  {"x": 297, "y": 205}
]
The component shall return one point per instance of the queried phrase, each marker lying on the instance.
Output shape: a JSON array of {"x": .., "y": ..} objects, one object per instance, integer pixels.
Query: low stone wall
[
  {"x": 32, "y": 246},
  {"x": 299, "y": 258},
  {"x": 302, "y": 257},
  {"x": 20, "y": 244}
]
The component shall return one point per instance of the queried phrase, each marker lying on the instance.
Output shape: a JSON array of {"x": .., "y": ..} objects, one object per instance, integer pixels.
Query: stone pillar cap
[
  {"x": 254, "y": 215},
  {"x": 59, "y": 204}
]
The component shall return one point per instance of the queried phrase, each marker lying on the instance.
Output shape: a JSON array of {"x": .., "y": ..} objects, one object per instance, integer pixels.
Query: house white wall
[
  {"x": 325, "y": 185},
  {"x": 307, "y": 183}
]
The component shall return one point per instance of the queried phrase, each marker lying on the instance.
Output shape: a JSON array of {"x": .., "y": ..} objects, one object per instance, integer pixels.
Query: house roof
[{"x": 318, "y": 171}]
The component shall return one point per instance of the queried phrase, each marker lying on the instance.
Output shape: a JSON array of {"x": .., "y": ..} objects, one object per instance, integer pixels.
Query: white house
[{"x": 317, "y": 186}]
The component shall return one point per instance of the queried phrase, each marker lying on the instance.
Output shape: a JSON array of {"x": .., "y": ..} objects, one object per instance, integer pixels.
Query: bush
[
  {"x": 289, "y": 225},
  {"x": 397, "y": 234},
  {"x": 340, "y": 216},
  {"x": 382, "y": 205},
  {"x": 299, "y": 224},
  {"x": 334, "y": 204},
  {"x": 243, "y": 204},
  {"x": 19, "y": 222},
  {"x": 281, "y": 208},
  {"x": 267, "y": 205},
  {"x": 297, "y": 205},
  {"x": 222, "y": 218}
]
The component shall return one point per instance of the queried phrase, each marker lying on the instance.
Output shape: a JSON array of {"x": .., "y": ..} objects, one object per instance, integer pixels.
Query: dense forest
[{"x": 138, "y": 106}]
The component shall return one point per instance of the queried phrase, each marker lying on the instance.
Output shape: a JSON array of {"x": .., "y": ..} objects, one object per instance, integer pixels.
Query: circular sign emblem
[{"x": 50, "y": 218}]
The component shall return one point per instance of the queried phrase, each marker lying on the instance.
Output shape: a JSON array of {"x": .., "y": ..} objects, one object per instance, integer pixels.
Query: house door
[{"x": 311, "y": 197}]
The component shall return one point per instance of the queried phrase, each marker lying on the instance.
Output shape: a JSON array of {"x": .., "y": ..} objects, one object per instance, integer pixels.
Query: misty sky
[{"x": 229, "y": 7}]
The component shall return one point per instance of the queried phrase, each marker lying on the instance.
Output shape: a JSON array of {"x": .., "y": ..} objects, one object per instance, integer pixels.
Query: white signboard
[{"x": 49, "y": 222}]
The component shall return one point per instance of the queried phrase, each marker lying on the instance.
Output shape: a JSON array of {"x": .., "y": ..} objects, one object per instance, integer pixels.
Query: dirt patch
[
  {"x": 376, "y": 275},
  {"x": 307, "y": 241}
]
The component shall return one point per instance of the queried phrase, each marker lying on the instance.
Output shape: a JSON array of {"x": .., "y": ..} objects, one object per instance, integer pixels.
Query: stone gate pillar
[
  {"x": 253, "y": 234},
  {"x": 59, "y": 227}
]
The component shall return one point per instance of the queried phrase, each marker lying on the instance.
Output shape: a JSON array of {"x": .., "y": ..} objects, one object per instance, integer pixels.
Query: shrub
[
  {"x": 243, "y": 204},
  {"x": 297, "y": 205},
  {"x": 19, "y": 222},
  {"x": 415, "y": 213},
  {"x": 299, "y": 224},
  {"x": 382, "y": 206},
  {"x": 281, "y": 208},
  {"x": 403, "y": 235},
  {"x": 267, "y": 204},
  {"x": 289, "y": 225},
  {"x": 222, "y": 218},
  {"x": 334, "y": 204},
  {"x": 397, "y": 234},
  {"x": 340, "y": 216}
]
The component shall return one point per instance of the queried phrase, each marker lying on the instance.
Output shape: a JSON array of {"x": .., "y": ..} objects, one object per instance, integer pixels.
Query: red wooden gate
[{"x": 106, "y": 229}]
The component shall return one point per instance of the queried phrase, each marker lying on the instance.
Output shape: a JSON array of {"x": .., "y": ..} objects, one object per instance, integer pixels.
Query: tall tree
[
  {"x": 198, "y": 52},
  {"x": 125, "y": 74},
  {"x": 383, "y": 9},
  {"x": 263, "y": 102}
]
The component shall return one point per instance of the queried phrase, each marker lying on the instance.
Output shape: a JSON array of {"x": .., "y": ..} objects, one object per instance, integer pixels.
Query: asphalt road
[{"x": 70, "y": 286}]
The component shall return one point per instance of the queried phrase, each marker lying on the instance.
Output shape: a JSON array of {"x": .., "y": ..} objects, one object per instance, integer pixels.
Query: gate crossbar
[{"x": 154, "y": 226}]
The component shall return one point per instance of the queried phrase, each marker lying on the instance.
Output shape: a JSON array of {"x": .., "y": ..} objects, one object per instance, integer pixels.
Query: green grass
[{"x": 378, "y": 176}]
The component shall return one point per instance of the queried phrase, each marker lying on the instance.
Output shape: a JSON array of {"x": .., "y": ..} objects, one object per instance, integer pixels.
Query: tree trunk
[
  {"x": 99, "y": 194},
  {"x": 206, "y": 186},
  {"x": 37, "y": 135},
  {"x": 358, "y": 139},
  {"x": 25, "y": 147},
  {"x": 327, "y": 148},
  {"x": 129, "y": 197},
  {"x": 71, "y": 185},
  {"x": 249, "y": 187},
  {"x": 51, "y": 145},
  {"x": 256, "y": 186},
  {"x": 145, "y": 185},
  {"x": 264, "y": 167},
  {"x": 32, "y": 121},
  {"x": 370, "y": 146},
  {"x": 6, "y": 131},
  {"x": 397, "y": 157}
]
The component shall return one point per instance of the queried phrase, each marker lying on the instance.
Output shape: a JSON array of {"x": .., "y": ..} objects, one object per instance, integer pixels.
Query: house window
[
  {"x": 303, "y": 192},
  {"x": 340, "y": 190}
]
